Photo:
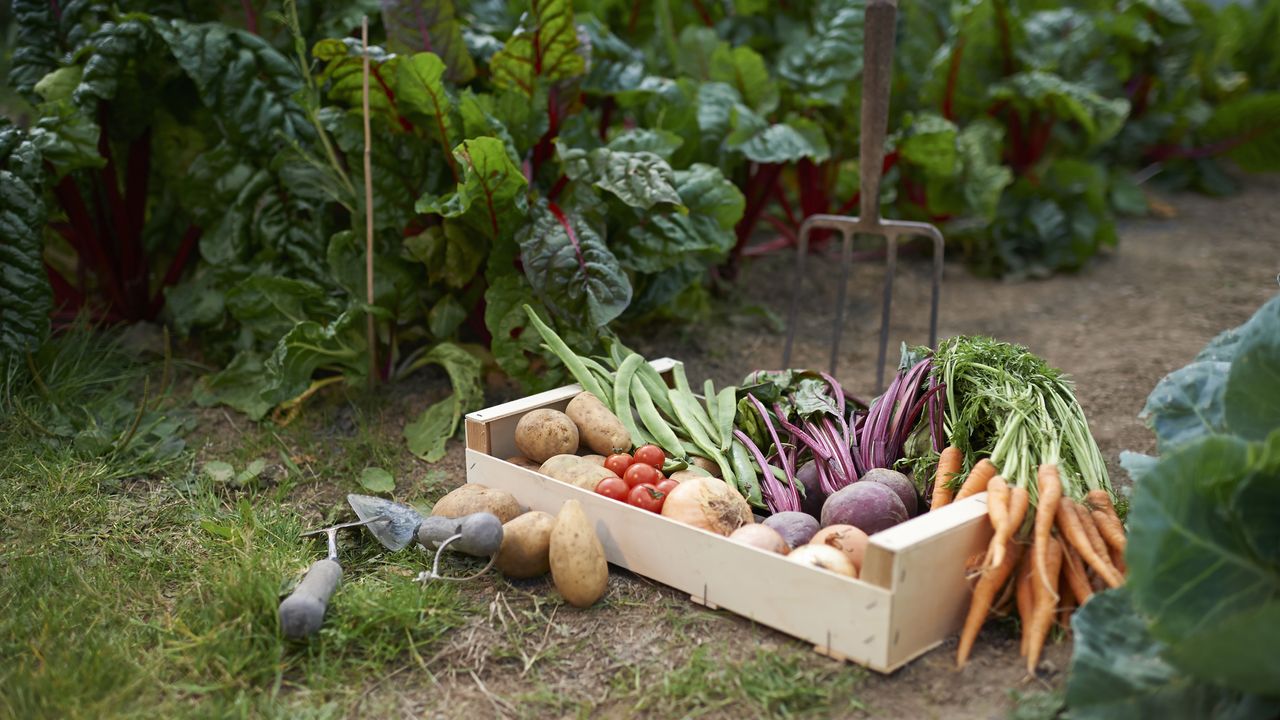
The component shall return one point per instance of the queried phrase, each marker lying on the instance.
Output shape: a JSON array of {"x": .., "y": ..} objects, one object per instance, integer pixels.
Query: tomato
[
  {"x": 618, "y": 463},
  {"x": 651, "y": 455},
  {"x": 640, "y": 473},
  {"x": 613, "y": 488},
  {"x": 666, "y": 486},
  {"x": 646, "y": 497}
]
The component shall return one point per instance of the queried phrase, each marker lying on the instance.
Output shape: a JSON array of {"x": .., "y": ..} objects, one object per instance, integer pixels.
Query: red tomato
[
  {"x": 618, "y": 463},
  {"x": 651, "y": 455},
  {"x": 613, "y": 488},
  {"x": 640, "y": 473},
  {"x": 646, "y": 497},
  {"x": 666, "y": 486}
]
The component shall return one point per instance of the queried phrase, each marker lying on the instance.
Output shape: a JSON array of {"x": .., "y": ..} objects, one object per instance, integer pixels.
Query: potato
[
  {"x": 598, "y": 428},
  {"x": 523, "y": 462},
  {"x": 472, "y": 498},
  {"x": 597, "y": 459},
  {"x": 682, "y": 475},
  {"x": 576, "y": 471},
  {"x": 711, "y": 466},
  {"x": 526, "y": 545},
  {"x": 578, "y": 566},
  {"x": 543, "y": 433}
]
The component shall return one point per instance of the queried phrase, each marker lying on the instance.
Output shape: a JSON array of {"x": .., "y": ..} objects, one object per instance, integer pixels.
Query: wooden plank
[
  {"x": 477, "y": 436},
  {"x": 839, "y": 614}
]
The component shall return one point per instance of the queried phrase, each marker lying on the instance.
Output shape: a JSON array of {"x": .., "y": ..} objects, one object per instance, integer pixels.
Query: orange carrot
[
  {"x": 1050, "y": 487},
  {"x": 1117, "y": 559},
  {"x": 1025, "y": 600},
  {"x": 1075, "y": 534},
  {"x": 984, "y": 594},
  {"x": 1046, "y": 601},
  {"x": 948, "y": 467},
  {"x": 1019, "y": 502},
  {"x": 1108, "y": 522},
  {"x": 1077, "y": 578},
  {"x": 977, "y": 480},
  {"x": 998, "y": 512}
]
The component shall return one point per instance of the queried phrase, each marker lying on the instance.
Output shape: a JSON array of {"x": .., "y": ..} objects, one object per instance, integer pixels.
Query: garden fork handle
[{"x": 877, "y": 79}]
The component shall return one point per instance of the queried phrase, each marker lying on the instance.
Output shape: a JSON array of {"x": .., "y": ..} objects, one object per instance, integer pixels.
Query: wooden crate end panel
[
  {"x": 880, "y": 563},
  {"x": 477, "y": 436}
]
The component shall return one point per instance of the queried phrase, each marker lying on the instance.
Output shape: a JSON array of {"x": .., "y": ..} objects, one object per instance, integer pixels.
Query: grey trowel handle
[
  {"x": 481, "y": 533},
  {"x": 303, "y": 611}
]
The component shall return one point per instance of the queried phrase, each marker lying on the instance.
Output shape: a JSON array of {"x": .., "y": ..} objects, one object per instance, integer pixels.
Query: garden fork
[{"x": 877, "y": 74}]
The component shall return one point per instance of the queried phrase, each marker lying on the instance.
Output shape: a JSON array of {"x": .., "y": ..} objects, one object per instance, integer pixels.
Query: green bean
[
  {"x": 653, "y": 422},
  {"x": 567, "y": 356},
  {"x": 710, "y": 399},
  {"x": 657, "y": 388},
  {"x": 687, "y": 408},
  {"x": 727, "y": 405},
  {"x": 745, "y": 473},
  {"x": 691, "y": 407},
  {"x": 622, "y": 398}
]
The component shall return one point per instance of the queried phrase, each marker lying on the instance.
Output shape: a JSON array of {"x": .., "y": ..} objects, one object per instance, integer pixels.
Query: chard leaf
[
  {"x": 571, "y": 268},
  {"x": 450, "y": 254},
  {"x": 420, "y": 84},
  {"x": 639, "y": 179},
  {"x": 402, "y": 169},
  {"x": 744, "y": 69},
  {"x": 431, "y": 26},
  {"x": 1099, "y": 117},
  {"x": 1199, "y": 563},
  {"x": 544, "y": 48},
  {"x": 930, "y": 144},
  {"x": 427, "y": 434},
  {"x": 762, "y": 142},
  {"x": 394, "y": 282},
  {"x": 309, "y": 346},
  {"x": 271, "y": 306},
  {"x": 67, "y": 137},
  {"x": 985, "y": 176},
  {"x": 114, "y": 47},
  {"x": 821, "y": 65},
  {"x": 1248, "y": 126},
  {"x": 1119, "y": 671},
  {"x": 343, "y": 75},
  {"x": 446, "y": 316},
  {"x": 659, "y": 142},
  {"x": 659, "y": 241},
  {"x": 192, "y": 304},
  {"x": 615, "y": 66},
  {"x": 239, "y": 385},
  {"x": 491, "y": 191},
  {"x": 44, "y": 33},
  {"x": 515, "y": 345},
  {"x": 25, "y": 296}
]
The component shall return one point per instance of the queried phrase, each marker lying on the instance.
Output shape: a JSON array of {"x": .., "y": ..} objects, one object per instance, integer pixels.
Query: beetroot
[
  {"x": 796, "y": 528},
  {"x": 868, "y": 506},
  {"x": 898, "y": 483},
  {"x": 807, "y": 476}
]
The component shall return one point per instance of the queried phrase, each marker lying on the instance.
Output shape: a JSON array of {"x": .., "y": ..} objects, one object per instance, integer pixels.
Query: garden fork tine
[{"x": 877, "y": 74}]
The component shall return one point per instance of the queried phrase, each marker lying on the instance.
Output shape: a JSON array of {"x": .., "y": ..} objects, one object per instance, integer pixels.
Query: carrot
[
  {"x": 977, "y": 480},
  {"x": 1019, "y": 502},
  {"x": 1024, "y": 598},
  {"x": 984, "y": 594},
  {"x": 1077, "y": 578},
  {"x": 1045, "y": 596},
  {"x": 1108, "y": 522},
  {"x": 948, "y": 467},
  {"x": 1050, "y": 487},
  {"x": 1068, "y": 602},
  {"x": 1074, "y": 523},
  {"x": 1117, "y": 559},
  {"x": 998, "y": 512}
]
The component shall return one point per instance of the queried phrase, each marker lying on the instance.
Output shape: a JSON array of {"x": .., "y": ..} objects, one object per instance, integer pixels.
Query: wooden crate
[{"x": 911, "y": 594}]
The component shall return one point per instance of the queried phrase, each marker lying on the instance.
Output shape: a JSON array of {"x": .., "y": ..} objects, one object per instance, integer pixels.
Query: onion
[
  {"x": 707, "y": 503},
  {"x": 825, "y": 557},
  {"x": 761, "y": 536},
  {"x": 847, "y": 539}
]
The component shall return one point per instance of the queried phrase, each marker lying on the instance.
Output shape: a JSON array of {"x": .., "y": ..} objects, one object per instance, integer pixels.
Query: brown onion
[
  {"x": 707, "y": 503},
  {"x": 825, "y": 557},
  {"x": 847, "y": 539},
  {"x": 761, "y": 536}
]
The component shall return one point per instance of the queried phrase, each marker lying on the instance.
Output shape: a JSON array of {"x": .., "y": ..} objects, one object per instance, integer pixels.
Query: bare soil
[{"x": 1135, "y": 314}]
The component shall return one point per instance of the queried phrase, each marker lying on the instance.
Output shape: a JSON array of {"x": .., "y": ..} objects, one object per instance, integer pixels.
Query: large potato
[
  {"x": 543, "y": 433},
  {"x": 472, "y": 498},
  {"x": 526, "y": 545},
  {"x": 710, "y": 466},
  {"x": 598, "y": 428},
  {"x": 578, "y": 565},
  {"x": 523, "y": 462},
  {"x": 577, "y": 471}
]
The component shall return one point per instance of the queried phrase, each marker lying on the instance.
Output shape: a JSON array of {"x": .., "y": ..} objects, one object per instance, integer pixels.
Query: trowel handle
[
  {"x": 303, "y": 611},
  {"x": 481, "y": 533}
]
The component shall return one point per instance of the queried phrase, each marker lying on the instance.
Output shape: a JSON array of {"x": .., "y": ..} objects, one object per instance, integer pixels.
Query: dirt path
[{"x": 1137, "y": 313}]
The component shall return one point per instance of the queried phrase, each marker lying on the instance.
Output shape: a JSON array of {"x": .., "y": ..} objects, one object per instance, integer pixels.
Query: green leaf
[
  {"x": 430, "y": 25},
  {"x": 192, "y": 304},
  {"x": 427, "y": 434},
  {"x": 402, "y": 167},
  {"x": 930, "y": 144},
  {"x": 614, "y": 66},
  {"x": 1187, "y": 404},
  {"x": 491, "y": 192},
  {"x": 1194, "y": 562},
  {"x": 515, "y": 345},
  {"x": 1118, "y": 671},
  {"x": 67, "y": 137},
  {"x": 450, "y": 254},
  {"x": 985, "y": 175},
  {"x": 114, "y": 49},
  {"x": 420, "y": 84},
  {"x": 395, "y": 284},
  {"x": 571, "y": 268},
  {"x": 43, "y": 34},
  {"x": 310, "y": 345},
  {"x": 25, "y": 296},
  {"x": 342, "y": 74},
  {"x": 271, "y": 306},
  {"x": 543, "y": 49},
  {"x": 1248, "y": 126},
  {"x": 377, "y": 480},
  {"x": 821, "y": 65},
  {"x": 1252, "y": 396},
  {"x": 659, "y": 241},
  {"x": 446, "y": 316},
  {"x": 762, "y": 142},
  {"x": 745, "y": 70},
  {"x": 60, "y": 84},
  {"x": 218, "y": 472},
  {"x": 659, "y": 142},
  {"x": 239, "y": 385},
  {"x": 1099, "y": 117},
  {"x": 639, "y": 179},
  {"x": 251, "y": 473}
]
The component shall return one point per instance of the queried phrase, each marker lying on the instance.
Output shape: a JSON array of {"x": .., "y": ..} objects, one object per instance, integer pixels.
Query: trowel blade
[{"x": 401, "y": 521}]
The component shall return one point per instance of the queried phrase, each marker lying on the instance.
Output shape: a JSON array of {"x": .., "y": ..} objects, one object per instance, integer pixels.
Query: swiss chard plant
[{"x": 1193, "y": 632}]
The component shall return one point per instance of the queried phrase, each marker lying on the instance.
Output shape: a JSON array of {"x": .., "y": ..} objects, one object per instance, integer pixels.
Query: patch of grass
[
  {"x": 1037, "y": 705},
  {"x": 768, "y": 684}
]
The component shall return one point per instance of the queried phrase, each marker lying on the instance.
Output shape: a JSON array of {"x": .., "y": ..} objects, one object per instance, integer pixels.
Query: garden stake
[
  {"x": 368, "y": 208},
  {"x": 877, "y": 73},
  {"x": 303, "y": 611}
]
